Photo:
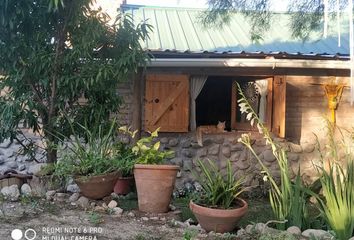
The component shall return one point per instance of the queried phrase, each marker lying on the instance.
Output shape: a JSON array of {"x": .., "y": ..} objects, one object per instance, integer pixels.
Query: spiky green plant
[
  {"x": 220, "y": 189},
  {"x": 337, "y": 180},
  {"x": 288, "y": 199}
]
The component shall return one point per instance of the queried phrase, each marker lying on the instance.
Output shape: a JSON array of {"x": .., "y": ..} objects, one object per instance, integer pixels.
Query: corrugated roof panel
[
  {"x": 150, "y": 17},
  {"x": 166, "y": 38},
  {"x": 178, "y": 35},
  {"x": 180, "y": 29},
  {"x": 187, "y": 23},
  {"x": 202, "y": 33}
]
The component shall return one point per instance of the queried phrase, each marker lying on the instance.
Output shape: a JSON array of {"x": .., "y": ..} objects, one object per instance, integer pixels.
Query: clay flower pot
[
  {"x": 219, "y": 220},
  {"x": 154, "y": 185},
  {"x": 97, "y": 187},
  {"x": 123, "y": 185}
]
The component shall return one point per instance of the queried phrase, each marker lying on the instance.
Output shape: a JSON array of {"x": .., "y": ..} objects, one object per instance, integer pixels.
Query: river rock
[
  {"x": 11, "y": 193},
  {"x": 73, "y": 188},
  {"x": 112, "y": 204},
  {"x": 74, "y": 197},
  {"x": 317, "y": 233},
  {"x": 26, "y": 189},
  {"x": 294, "y": 230},
  {"x": 214, "y": 149},
  {"x": 83, "y": 202}
]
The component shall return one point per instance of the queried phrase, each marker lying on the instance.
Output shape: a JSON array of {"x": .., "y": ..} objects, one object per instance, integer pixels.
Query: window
[{"x": 167, "y": 102}]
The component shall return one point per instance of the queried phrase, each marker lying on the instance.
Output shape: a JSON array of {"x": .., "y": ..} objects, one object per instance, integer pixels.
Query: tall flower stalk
[{"x": 288, "y": 200}]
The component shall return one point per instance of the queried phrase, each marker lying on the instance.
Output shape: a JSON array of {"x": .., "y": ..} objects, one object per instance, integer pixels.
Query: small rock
[
  {"x": 172, "y": 208},
  {"x": 131, "y": 214},
  {"x": 112, "y": 204},
  {"x": 11, "y": 193},
  {"x": 21, "y": 167},
  {"x": 100, "y": 209},
  {"x": 226, "y": 151},
  {"x": 60, "y": 197},
  {"x": 187, "y": 153},
  {"x": 49, "y": 195},
  {"x": 187, "y": 164},
  {"x": 104, "y": 205},
  {"x": 269, "y": 156},
  {"x": 177, "y": 161},
  {"x": 214, "y": 149},
  {"x": 74, "y": 197},
  {"x": 164, "y": 140},
  {"x": 162, "y": 219},
  {"x": 186, "y": 143},
  {"x": 117, "y": 211},
  {"x": 83, "y": 202},
  {"x": 308, "y": 148},
  {"x": 202, "y": 152},
  {"x": 26, "y": 189},
  {"x": 154, "y": 218},
  {"x": 36, "y": 169},
  {"x": 173, "y": 142},
  {"x": 294, "y": 230},
  {"x": 317, "y": 233},
  {"x": 12, "y": 165},
  {"x": 295, "y": 148},
  {"x": 145, "y": 219},
  {"x": 73, "y": 188},
  {"x": 197, "y": 186}
]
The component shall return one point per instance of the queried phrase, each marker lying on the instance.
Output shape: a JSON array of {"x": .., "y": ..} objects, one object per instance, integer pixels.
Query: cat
[{"x": 219, "y": 128}]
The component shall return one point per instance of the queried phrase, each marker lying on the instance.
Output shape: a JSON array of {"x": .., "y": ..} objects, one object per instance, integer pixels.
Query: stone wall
[{"x": 221, "y": 147}]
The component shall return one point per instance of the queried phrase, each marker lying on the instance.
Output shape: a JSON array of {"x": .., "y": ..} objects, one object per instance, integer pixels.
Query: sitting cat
[{"x": 219, "y": 128}]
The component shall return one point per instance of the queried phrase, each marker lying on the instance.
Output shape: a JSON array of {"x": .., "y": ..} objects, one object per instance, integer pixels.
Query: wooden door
[
  {"x": 167, "y": 102},
  {"x": 279, "y": 100}
]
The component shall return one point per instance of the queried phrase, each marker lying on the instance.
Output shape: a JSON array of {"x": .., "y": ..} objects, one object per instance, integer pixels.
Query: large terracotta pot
[
  {"x": 219, "y": 220},
  {"x": 97, "y": 187},
  {"x": 154, "y": 185},
  {"x": 123, "y": 185}
]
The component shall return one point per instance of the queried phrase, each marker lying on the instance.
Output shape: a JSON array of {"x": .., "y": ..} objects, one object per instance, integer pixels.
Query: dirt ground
[{"x": 53, "y": 222}]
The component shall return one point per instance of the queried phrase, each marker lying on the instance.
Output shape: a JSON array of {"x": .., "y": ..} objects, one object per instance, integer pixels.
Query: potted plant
[
  {"x": 218, "y": 208},
  {"x": 154, "y": 181},
  {"x": 91, "y": 161},
  {"x": 125, "y": 163}
]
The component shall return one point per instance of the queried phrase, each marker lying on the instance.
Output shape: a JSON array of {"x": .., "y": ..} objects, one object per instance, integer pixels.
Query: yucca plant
[
  {"x": 337, "y": 180},
  {"x": 288, "y": 199},
  {"x": 219, "y": 189}
]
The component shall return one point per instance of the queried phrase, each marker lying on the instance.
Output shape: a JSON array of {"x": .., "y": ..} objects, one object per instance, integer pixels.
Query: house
[{"x": 191, "y": 81}]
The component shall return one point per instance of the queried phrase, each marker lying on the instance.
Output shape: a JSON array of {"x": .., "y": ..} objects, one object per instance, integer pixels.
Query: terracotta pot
[
  {"x": 218, "y": 220},
  {"x": 97, "y": 187},
  {"x": 154, "y": 185},
  {"x": 123, "y": 185}
]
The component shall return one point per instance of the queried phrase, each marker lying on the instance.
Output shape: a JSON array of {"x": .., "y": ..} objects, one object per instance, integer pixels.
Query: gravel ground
[{"x": 55, "y": 222}]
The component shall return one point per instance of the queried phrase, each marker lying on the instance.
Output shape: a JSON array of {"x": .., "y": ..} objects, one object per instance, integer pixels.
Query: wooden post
[{"x": 137, "y": 105}]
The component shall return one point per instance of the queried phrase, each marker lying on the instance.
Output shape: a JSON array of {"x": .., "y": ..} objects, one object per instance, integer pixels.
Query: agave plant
[
  {"x": 337, "y": 180},
  {"x": 220, "y": 189}
]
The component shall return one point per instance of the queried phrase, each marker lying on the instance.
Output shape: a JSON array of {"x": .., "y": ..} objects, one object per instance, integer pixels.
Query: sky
[{"x": 278, "y": 5}]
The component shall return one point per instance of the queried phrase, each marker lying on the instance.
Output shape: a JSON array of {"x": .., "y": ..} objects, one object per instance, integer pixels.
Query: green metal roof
[{"x": 178, "y": 29}]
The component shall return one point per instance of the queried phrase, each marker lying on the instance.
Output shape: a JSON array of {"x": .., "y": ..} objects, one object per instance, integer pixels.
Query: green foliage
[
  {"x": 125, "y": 159},
  {"x": 288, "y": 200},
  {"x": 306, "y": 16},
  {"x": 93, "y": 155},
  {"x": 51, "y": 59},
  {"x": 337, "y": 179},
  {"x": 95, "y": 218},
  {"x": 189, "y": 234},
  {"x": 219, "y": 191},
  {"x": 146, "y": 151}
]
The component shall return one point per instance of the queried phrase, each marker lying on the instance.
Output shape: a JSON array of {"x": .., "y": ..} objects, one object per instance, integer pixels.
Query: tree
[
  {"x": 52, "y": 54},
  {"x": 306, "y": 15}
]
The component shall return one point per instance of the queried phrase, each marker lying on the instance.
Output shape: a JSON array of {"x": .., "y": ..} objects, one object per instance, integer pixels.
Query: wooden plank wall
[{"x": 306, "y": 107}]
